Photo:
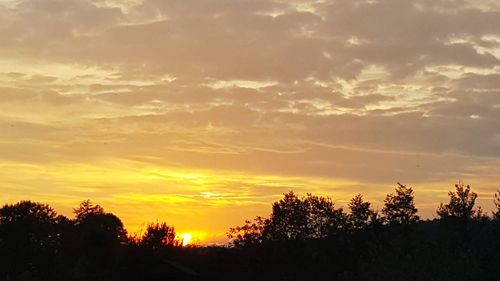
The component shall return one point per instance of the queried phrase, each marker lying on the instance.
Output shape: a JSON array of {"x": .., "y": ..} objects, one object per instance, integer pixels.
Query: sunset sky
[{"x": 201, "y": 113}]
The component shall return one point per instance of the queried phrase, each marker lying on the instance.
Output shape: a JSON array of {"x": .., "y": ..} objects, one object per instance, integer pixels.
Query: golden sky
[{"x": 202, "y": 113}]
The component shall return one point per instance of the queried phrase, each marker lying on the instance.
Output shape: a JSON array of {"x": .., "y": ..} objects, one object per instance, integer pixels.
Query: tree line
[
  {"x": 312, "y": 216},
  {"x": 304, "y": 238},
  {"x": 36, "y": 243}
]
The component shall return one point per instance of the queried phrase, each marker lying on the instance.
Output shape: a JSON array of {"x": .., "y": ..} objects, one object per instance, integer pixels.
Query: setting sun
[
  {"x": 186, "y": 238},
  {"x": 178, "y": 129}
]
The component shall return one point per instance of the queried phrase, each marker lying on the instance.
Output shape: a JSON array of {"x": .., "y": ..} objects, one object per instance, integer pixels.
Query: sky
[{"x": 203, "y": 113}]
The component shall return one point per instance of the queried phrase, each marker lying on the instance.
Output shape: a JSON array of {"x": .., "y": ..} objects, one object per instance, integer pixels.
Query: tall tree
[
  {"x": 361, "y": 213},
  {"x": 288, "y": 219},
  {"x": 99, "y": 238},
  {"x": 399, "y": 208},
  {"x": 461, "y": 204}
]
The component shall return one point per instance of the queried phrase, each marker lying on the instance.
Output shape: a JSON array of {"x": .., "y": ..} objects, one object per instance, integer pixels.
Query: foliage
[
  {"x": 95, "y": 224},
  {"x": 295, "y": 218},
  {"x": 288, "y": 220},
  {"x": 27, "y": 211},
  {"x": 248, "y": 234},
  {"x": 361, "y": 214},
  {"x": 399, "y": 208},
  {"x": 104, "y": 227},
  {"x": 292, "y": 218},
  {"x": 496, "y": 201},
  {"x": 323, "y": 219},
  {"x": 29, "y": 236},
  {"x": 461, "y": 204},
  {"x": 85, "y": 210},
  {"x": 159, "y": 236},
  {"x": 304, "y": 238}
]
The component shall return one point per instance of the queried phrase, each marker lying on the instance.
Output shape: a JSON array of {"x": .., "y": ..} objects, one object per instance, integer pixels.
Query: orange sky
[{"x": 202, "y": 113}]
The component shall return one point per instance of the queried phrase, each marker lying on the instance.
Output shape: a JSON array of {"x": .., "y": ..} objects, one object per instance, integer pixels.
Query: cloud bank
[{"x": 360, "y": 92}]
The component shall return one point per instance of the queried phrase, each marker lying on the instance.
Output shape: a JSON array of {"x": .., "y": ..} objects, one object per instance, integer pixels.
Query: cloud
[{"x": 362, "y": 92}]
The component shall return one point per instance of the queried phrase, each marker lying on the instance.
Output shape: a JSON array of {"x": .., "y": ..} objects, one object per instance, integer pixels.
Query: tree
[
  {"x": 27, "y": 211},
  {"x": 29, "y": 237},
  {"x": 248, "y": 234},
  {"x": 107, "y": 227},
  {"x": 159, "y": 236},
  {"x": 480, "y": 215},
  {"x": 288, "y": 220},
  {"x": 496, "y": 201},
  {"x": 93, "y": 220},
  {"x": 99, "y": 237},
  {"x": 86, "y": 209},
  {"x": 361, "y": 213},
  {"x": 323, "y": 219},
  {"x": 399, "y": 208},
  {"x": 292, "y": 218},
  {"x": 461, "y": 205}
]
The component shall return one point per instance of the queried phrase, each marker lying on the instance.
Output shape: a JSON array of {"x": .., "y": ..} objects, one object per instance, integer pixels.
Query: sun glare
[{"x": 186, "y": 238}]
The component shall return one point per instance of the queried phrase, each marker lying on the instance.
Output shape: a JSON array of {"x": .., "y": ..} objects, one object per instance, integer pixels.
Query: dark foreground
[{"x": 303, "y": 239}]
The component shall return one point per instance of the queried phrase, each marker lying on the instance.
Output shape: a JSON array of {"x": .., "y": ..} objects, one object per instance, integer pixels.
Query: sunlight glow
[
  {"x": 201, "y": 114},
  {"x": 186, "y": 238}
]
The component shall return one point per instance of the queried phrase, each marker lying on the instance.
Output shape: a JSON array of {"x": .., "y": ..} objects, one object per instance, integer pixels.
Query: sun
[{"x": 186, "y": 238}]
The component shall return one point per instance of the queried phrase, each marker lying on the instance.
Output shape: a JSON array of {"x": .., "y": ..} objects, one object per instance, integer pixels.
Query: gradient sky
[{"x": 201, "y": 113}]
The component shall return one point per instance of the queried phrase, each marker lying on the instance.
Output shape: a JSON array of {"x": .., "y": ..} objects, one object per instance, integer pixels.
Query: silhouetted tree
[
  {"x": 399, "y": 208},
  {"x": 99, "y": 239},
  {"x": 323, "y": 219},
  {"x": 27, "y": 211},
  {"x": 457, "y": 216},
  {"x": 106, "y": 226},
  {"x": 86, "y": 209},
  {"x": 303, "y": 239},
  {"x": 159, "y": 236},
  {"x": 361, "y": 214},
  {"x": 292, "y": 218},
  {"x": 288, "y": 220},
  {"x": 29, "y": 238},
  {"x": 93, "y": 221},
  {"x": 301, "y": 218},
  {"x": 248, "y": 234},
  {"x": 480, "y": 215},
  {"x": 496, "y": 201},
  {"x": 461, "y": 205}
]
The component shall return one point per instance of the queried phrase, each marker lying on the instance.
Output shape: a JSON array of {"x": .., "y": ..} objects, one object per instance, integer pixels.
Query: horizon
[
  {"x": 202, "y": 114},
  {"x": 198, "y": 237}
]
